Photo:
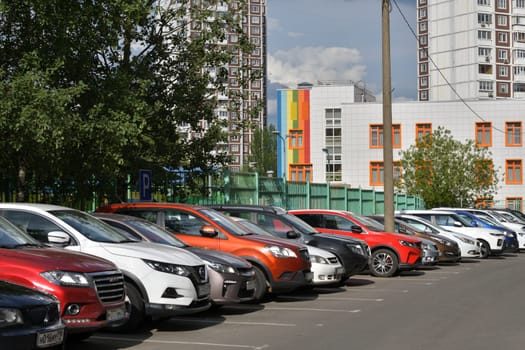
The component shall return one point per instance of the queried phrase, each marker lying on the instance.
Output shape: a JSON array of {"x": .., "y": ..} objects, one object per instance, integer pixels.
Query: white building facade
[{"x": 471, "y": 49}]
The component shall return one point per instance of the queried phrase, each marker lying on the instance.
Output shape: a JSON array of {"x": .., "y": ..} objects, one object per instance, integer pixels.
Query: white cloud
[
  {"x": 295, "y": 34},
  {"x": 310, "y": 64}
]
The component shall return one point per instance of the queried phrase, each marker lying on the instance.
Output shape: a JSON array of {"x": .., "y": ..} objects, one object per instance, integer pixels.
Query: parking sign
[{"x": 145, "y": 184}]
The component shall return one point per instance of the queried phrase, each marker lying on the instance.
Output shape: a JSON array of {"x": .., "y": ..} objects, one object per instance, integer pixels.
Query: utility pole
[{"x": 387, "y": 120}]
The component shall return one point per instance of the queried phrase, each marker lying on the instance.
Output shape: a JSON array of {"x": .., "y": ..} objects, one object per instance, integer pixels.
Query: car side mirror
[
  {"x": 356, "y": 229},
  {"x": 458, "y": 224},
  {"x": 208, "y": 231},
  {"x": 474, "y": 223},
  {"x": 292, "y": 235},
  {"x": 59, "y": 238}
]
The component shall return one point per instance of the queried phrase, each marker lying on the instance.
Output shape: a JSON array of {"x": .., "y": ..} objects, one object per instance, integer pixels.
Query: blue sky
[{"x": 311, "y": 40}]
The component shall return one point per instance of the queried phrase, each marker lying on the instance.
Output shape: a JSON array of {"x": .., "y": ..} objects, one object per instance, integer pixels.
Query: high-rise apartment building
[
  {"x": 471, "y": 49},
  {"x": 250, "y": 111}
]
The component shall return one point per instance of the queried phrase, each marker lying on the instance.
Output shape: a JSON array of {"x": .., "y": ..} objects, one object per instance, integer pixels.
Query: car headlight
[
  {"x": 465, "y": 240},
  {"x": 220, "y": 268},
  {"x": 496, "y": 234},
  {"x": 168, "y": 268},
  {"x": 443, "y": 241},
  {"x": 318, "y": 259},
  {"x": 356, "y": 248},
  {"x": 281, "y": 252},
  {"x": 510, "y": 234},
  {"x": 66, "y": 278},
  {"x": 10, "y": 317},
  {"x": 408, "y": 244}
]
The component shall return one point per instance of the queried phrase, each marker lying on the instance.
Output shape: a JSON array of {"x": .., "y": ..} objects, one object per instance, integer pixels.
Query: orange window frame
[
  {"x": 296, "y": 139},
  {"x": 513, "y": 172},
  {"x": 376, "y": 136},
  {"x": 301, "y": 172},
  {"x": 422, "y": 130},
  {"x": 488, "y": 178},
  {"x": 377, "y": 172},
  {"x": 484, "y": 134},
  {"x": 513, "y": 134},
  {"x": 510, "y": 202}
]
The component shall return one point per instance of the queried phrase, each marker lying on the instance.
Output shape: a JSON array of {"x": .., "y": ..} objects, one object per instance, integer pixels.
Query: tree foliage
[
  {"x": 446, "y": 172},
  {"x": 264, "y": 150},
  {"x": 92, "y": 91}
]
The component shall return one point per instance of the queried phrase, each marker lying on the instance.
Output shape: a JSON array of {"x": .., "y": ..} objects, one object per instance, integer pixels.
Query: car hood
[
  {"x": 217, "y": 256},
  {"x": 49, "y": 259},
  {"x": 332, "y": 237},
  {"x": 319, "y": 252},
  {"x": 398, "y": 236},
  {"x": 14, "y": 295},
  {"x": 276, "y": 241},
  {"x": 153, "y": 251}
]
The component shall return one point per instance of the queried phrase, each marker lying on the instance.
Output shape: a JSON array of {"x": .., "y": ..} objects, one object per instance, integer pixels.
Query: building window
[
  {"x": 376, "y": 136},
  {"x": 484, "y": 134},
  {"x": 423, "y": 13},
  {"x": 514, "y": 203},
  {"x": 301, "y": 172},
  {"x": 296, "y": 139},
  {"x": 501, "y": 4},
  {"x": 503, "y": 71},
  {"x": 484, "y": 35},
  {"x": 513, "y": 175},
  {"x": 423, "y": 40},
  {"x": 422, "y": 130},
  {"x": 423, "y": 95},
  {"x": 377, "y": 173},
  {"x": 503, "y": 55},
  {"x": 423, "y": 26},
  {"x": 484, "y": 18},
  {"x": 520, "y": 4},
  {"x": 484, "y": 52},
  {"x": 423, "y": 81},
  {"x": 423, "y": 68},
  {"x": 502, "y": 21},
  {"x": 484, "y": 172},
  {"x": 503, "y": 88},
  {"x": 423, "y": 54},
  {"x": 255, "y": 20},
  {"x": 502, "y": 37},
  {"x": 486, "y": 86},
  {"x": 513, "y": 134},
  {"x": 484, "y": 2}
]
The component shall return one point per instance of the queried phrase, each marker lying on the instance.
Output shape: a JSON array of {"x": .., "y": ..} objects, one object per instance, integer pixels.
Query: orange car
[{"x": 280, "y": 265}]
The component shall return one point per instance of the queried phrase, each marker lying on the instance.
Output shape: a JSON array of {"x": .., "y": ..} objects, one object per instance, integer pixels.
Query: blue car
[{"x": 511, "y": 238}]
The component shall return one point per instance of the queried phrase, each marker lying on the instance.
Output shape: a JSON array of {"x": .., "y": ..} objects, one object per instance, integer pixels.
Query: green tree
[
  {"x": 264, "y": 150},
  {"x": 446, "y": 172}
]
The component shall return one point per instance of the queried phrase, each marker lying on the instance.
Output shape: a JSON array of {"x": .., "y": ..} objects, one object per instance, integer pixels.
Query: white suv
[
  {"x": 161, "y": 281},
  {"x": 491, "y": 240}
]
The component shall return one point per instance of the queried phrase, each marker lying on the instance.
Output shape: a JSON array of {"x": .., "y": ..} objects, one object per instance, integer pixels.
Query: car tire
[
  {"x": 485, "y": 249},
  {"x": 136, "y": 312},
  {"x": 384, "y": 263},
  {"x": 260, "y": 284}
]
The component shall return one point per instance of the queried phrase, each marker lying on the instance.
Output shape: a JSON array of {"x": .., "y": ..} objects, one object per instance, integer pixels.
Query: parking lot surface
[{"x": 475, "y": 304}]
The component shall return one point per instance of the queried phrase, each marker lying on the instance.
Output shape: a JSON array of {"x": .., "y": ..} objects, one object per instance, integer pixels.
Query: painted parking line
[
  {"x": 216, "y": 345},
  {"x": 373, "y": 289},
  {"x": 270, "y": 308},
  {"x": 322, "y": 298},
  {"x": 220, "y": 321}
]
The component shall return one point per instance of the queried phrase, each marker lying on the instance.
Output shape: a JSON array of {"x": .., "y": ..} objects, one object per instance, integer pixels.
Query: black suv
[
  {"x": 29, "y": 319},
  {"x": 353, "y": 253}
]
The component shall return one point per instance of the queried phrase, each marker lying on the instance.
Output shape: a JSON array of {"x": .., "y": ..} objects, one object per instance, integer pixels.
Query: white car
[
  {"x": 326, "y": 267},
  {"x": 492, "y": 241},
  {"x": 469, "y": 247},
  {"x": 161, "y": 281}
]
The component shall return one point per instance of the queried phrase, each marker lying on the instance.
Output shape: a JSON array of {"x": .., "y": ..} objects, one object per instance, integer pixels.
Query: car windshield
[
  {"x": 226, "y": 222},
  {"x": 369, "y": 223},
  {"x": 155, "y": 233},
  {"x": 300, "y": 225},
  {"x": 252, "y": 227},
  {"x": 91, "y": 227},
  {"x": 12, "y": 237}
]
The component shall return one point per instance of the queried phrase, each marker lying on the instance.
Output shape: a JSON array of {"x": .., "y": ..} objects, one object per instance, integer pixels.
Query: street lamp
[
  {"x": 283, "y": 139},
  {"x": 363, "y": 90}
]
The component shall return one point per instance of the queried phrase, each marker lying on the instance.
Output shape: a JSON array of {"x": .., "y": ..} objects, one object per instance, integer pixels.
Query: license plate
[
  {"x": 46, "y": 339},
  {"x": 115, "y": 314},
  {"x": 250, "y": 285},
  {"x": 203, "y": 290}
]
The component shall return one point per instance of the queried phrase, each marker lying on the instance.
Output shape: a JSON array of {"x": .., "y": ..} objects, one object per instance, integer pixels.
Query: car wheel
[
  {"x": 384, "y": 263},
  {"x": 136, "y": 313},
  {"x": 485, "y": 249},
  {"x": 260, "y": 284}
]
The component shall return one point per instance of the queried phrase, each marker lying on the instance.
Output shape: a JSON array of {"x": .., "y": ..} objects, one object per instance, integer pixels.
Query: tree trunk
[{"x": 21, "y": 181}]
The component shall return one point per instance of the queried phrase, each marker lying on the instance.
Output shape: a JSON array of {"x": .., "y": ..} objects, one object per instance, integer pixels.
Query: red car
[
  {"x": 90, "y": 289},
  {"x": 279, "y": 264},
  {"x": 391, "y": 252}
]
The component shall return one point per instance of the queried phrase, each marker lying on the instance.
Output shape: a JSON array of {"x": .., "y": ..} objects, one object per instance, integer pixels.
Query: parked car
[
  {"x": 510, "y": 243},
  {"x": 160, "y": 281},
  {"x": 29, "y": 319},
  {"x": 280, "y": 265},
  {"x": 491, "y": 240},
  {"x": 354, "y": 254},
  {"x": 429, "y": 245},
  {"x": 90, "y": 290},
  {"x": 468, "y": 247},
  {"x": 517, "y": 227},
  {"x": 391, "y": 252},
  {"x": 326, "y": 267},
  {"x": 232, "y": 278}
]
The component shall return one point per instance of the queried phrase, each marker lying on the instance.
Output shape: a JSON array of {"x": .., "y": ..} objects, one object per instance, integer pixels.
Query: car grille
[
  {"x": 304, "y": 254},
  {"x": 333, "y": 260},
  {"x": 109, "y": 286},
  {"x": 42, "y": 316}
]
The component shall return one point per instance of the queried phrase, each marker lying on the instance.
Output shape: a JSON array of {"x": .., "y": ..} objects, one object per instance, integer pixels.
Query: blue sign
[{"x": 145, "y": 184}]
